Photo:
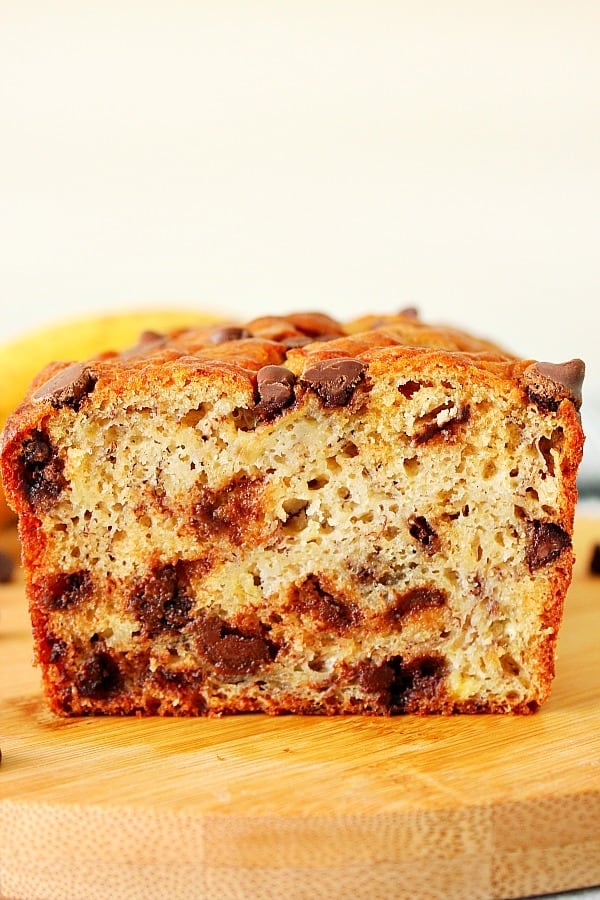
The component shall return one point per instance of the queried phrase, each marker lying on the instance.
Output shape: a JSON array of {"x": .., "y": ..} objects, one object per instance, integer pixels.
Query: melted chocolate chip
[
  {"x": 432, "y": 428},
  {"x": 334, "y": 613},
  {"x": 67, "y": 388},
  {"x": 41, "y": 471},
  {"x": 150, "y": 337},
  {"x": 178, "y": 681},
  {"x": 403, "y": 687},
  {"x": 421, "y": 531},
  {"x": 275, "y": 386},
  {"x": 297, "y": 340},
  {"x": 548, "y": 384},
  {"x": 228, "y": 333},
  {"x": 51, "y": 649},
  {"x": 413, "y": 601},
  {"x": 376, "y": 679},
  {"x": 334, "y": 380},
  {"x": 147, "y": 341},
  {"x": 234, "y": 652},
  {"x": 98, "y": 676},
  {"x": 301, "y": 340},
  {"x": 231, "y": 511},
  {"x": 417, "y": 682},
  {"x": 65, "y": 590},
  {"x": 409, "y": 388},
  {"x": 547, "y": 540},
  {"x": 161, "y": 602}
]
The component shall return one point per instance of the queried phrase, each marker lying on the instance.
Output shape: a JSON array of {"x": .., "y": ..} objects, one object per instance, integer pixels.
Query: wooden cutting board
[{"x": 253, "y": 807}]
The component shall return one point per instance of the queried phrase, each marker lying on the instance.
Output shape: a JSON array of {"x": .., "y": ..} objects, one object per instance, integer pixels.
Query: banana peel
[{"x": 73, "y": 340}]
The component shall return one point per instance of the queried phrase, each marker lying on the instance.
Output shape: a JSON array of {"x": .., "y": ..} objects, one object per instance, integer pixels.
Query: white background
[{"x": 256, "y": 157}]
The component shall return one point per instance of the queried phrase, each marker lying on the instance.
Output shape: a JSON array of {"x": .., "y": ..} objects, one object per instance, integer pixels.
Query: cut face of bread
[{"x": 297, "y": 516}]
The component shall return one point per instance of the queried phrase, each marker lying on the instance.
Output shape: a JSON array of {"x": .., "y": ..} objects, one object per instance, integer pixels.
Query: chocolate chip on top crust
[
  {"x": 334, "y": 380},
  {"x": 68, "y": 388},
  {"x": 301, "y": 340},
  {"x": 228, "y": 333},
  {"x": 550, "y": 383},
  {"x": 148, "y": 341},
  {"x": 275, "y": 386}
]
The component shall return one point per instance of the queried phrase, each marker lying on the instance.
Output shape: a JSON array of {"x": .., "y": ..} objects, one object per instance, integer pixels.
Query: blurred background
[{"x": 349, "y": 156}]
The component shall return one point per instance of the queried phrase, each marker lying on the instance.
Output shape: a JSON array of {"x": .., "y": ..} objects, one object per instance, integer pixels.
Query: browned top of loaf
[{"x": 236, "y": 353}]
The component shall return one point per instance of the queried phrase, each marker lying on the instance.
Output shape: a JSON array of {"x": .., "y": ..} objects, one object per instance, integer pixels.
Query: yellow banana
[{"x": 78, "y": 339}]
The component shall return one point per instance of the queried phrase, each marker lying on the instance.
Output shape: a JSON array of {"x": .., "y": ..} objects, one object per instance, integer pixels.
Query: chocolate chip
[
  {"x": 180, "y": 679},
  {"x": 51, "y": 649},
  {"x": 37, "y": 450},
  {"x": 228, "y": 333},
  {"x": 234, "y": 652},
  {"x": 335, "y": 613},
  {"x": 421, "y": 530},
  {"x": 432, "y": 428},
  {"x": 7, "y": 567},
  {"x": 98, "y": 676},
  {"x": 160, "y": 602},
  {"x": 417, "y": 682},
  {"x": 376, "y": 679},
  {"x": 65, "y": 590},
  {"x": 301, "y": 340},
  {"x": 233, "y": 512},
  {"x": 275, "y": 388},
  {"x": 548, "y": 384},
  {"x": 414, "y": 600},
  {"x": 334, "y": 380},
  {"x": 67, "y": 388},
  {"x": 400, "y": 686},
  {"x": 409, "y": 388},
  {"x": 41, "y": 471},
  {"x": 410, "y": 312},
  {"x": 547, "y": 540},
  {"x": 298, "y": 340},
  {"x": 325, "y": 338},
  {"x": 150, "y": 337},
  {"x": 595, "y": 560},
  {"x": 147, "y": 341}
]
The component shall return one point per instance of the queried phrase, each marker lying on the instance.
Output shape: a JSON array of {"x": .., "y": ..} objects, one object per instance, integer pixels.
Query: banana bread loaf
[{"x": 295, "y": 515}]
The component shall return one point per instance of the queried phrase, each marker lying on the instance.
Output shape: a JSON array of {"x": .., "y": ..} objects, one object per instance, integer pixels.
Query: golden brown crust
[{"x": 297, "y": 515}]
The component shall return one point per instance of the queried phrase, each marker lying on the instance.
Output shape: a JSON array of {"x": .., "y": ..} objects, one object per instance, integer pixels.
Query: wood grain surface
[{"x": 253, "y": 807}]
